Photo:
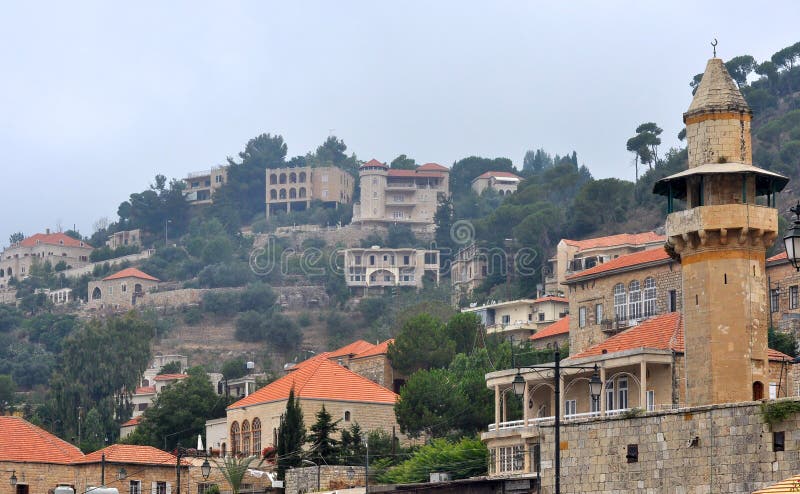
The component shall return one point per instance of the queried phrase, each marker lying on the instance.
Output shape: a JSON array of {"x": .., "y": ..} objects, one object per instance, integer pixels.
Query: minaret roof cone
[{"x": 717, "y": 92}]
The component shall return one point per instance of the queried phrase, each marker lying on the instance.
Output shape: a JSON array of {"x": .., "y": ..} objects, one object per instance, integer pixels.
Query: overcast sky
[{"x": 97, "y": 98}]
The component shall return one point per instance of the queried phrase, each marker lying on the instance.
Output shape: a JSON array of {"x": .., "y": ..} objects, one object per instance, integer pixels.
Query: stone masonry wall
[
  {"x": 299, "y": 480},
  {"x": 733, "y": 452}
]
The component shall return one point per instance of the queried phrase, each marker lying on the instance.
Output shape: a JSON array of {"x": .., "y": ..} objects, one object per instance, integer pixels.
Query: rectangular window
[
  {"x": 773, "y": 391},
  {"x": 793, "y": 297},
  {"x": 610, "y": 395},
  {"x": 672, "y": 303},
  {"x": 124, "y": 288},
  {"x": 511, "y": 458},
  {"x": 357, "y": 260},
  {"x": 203, "y": 487},
  {"x": 371, "y": 260},
  {"x": 598, "y": 313},
  {"x": 161, "y": 488},
  {"x": 622, "y": 393},
  {"x": 406, "y": 260},
  {"x": 506, "y": 319},
  {"x": 582, "y": 317},
  {"x": 135, "y": 487},
  {"x": 651, "y": 400},
  {"x": 570, "y": 408},
  {"x": 774, "y": 297},
  {"x": 541, "y": 316},
  {"x": 324, "y": 178}
]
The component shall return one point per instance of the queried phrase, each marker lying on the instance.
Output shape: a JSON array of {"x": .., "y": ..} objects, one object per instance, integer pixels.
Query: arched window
[
  {"x": 292, "y": 193},
  {"x": 273, "y": 194},
  {"x": 246, "y": 438},
  {"x": 758, "y": 391},
  {"x": 634, "y": 300},
  {"x": 96, "y": 294},
  {"x": 302, "y": 177},
  {"x": 293, "y": 178},
  {"x": 649, "y": 297},
  {"x": 282, "y": 194},
  {"x": 273, "y": 179},
  {"x": 224, "y": 450},
  {"x": 257, "y": 436},
  {"x": 347, "y": 416},
  {"x": 302, "y": 193},
  {"x": 282, "y": 178},
  {"x": 235, "y": 438},
  {"x": 620, "y": 311},
  {"x": 137, "y": 288}
]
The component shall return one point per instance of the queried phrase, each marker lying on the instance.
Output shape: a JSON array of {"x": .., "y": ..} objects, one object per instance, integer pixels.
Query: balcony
[
  {"x": 519, "y": 424},
  {"x": 511, "y": 326}
]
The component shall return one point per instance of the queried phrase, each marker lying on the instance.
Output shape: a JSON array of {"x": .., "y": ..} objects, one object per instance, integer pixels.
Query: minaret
[{"x": 721, "y": 239}]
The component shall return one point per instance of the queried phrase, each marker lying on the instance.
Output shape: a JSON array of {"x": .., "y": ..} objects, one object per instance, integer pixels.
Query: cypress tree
[{"x": 291, "y": 436}]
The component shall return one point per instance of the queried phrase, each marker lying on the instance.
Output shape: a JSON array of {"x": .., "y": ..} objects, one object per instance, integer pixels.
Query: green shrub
[
  {"x": 221, "y": 303},
  {"x": 193, "y": 316},
  {"x": 304, "y": 320},
  {"x": 778, "y": 411}
]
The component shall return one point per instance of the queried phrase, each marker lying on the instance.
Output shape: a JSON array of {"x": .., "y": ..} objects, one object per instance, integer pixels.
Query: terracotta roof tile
[
  {"x": 778, "y": 257},
  {"x": 498, "y": 175},
  {"x": 170, "y": 377},
  {"x": 614, "y": 240},
  {"x": 435, "y": 167},
  {"x": 394, "y": 172},
  {"x": 374, "y": 162},
  {"x": 353, "y": 348},
  {"x": 320, "y": 379},
  {"x": 626, "y": 261},
  {"x": 379, "y": 349},
  {"x": 132, "y": 422},
  {"x": 129, "y": 453},
  {"x": 130, "y": 273},
  {"x": 53, "y": 239},
  {"x": 664, "y": 332},
  {"x": 145, "y": 390},
  {"x": 21, "y": 441},
  {"x": 557, "y": 328}
]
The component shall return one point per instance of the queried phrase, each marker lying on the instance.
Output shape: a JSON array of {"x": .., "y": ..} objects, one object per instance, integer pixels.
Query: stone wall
[
  {"x": 376, "y": 368},
  {"x": 732, "y": 453},
  {"x": 347, "y": 236},
  {"x": 289, "y": 297},
  {"x": 330, "y": 477},
  {"x": 89, "y": 268}
]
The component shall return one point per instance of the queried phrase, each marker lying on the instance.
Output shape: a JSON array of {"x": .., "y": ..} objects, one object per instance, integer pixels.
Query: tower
[
  {"x": 721, "y": 239},
  {"x": 373, "y": 175}
]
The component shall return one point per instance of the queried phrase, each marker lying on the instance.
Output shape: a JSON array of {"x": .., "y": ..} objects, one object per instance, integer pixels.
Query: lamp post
[
  {"x": 792, "y": 239},
  {"x": 595, "y": 388},
  {"x": 316, "y": 465},
  {"x": 366, "y": 466},
  {"x": 13, "y": 479},
  {"x": 351, "y": 473},
  {"x": 205, "y": 468}
]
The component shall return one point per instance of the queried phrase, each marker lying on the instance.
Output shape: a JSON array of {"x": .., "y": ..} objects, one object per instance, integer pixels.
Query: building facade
[
  {"x": 124, "y": 239},
  {"x": 294, "y": 188},
  {"x": 200, "y": 186},
  {"x": 380, "y": 267},
  {"x": 504, "y": 183},
  {"x": 122, "y": 290},
  {"x": 784, "y": 295},
  {"x": 17, "y": 259},
  {"x": 573, "y": 256},
  {"x": 391, "y": 196},
  {"x": 517, "y": 320},
  {"x": 468, "y": 269}
]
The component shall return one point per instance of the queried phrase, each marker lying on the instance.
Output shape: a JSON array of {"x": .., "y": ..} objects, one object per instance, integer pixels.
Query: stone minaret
[{"x": 721, "y": 239}]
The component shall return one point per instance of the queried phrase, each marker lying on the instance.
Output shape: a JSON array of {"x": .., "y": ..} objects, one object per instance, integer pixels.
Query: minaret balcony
[{"x": 724, "y": 224}]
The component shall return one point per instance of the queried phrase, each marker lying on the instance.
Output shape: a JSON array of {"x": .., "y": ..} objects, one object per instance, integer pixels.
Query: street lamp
[
  {"x": 316, "y": 465},
  {"x": 792, "y": 239},
  {"x": 205, "y": 469},
  {"x": 13, "y": 479},
  {"x": 122, "y": 474},
  {"x": 595, "y": 388}
]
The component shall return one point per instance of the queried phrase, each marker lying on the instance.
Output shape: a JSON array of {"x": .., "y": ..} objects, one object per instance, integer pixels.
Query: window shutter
[
  {"x": 169, "y": 488},
  {"x": 153, "y": 488}
]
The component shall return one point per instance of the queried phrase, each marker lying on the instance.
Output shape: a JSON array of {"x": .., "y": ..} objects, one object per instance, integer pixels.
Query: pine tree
[
  {"x": 322, "y": 444},
  {"x": 291, "y": 436}
]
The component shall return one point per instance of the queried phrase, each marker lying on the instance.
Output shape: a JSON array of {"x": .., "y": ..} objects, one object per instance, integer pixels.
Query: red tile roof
[
  {"x": 664, "y": 332},
  {"x": 435, "y": 167},
  {"x": 144, "y": 390},
  {"x": 21, "y": 441},
  {"x": 129, "y": 453},
  {"x": 498, "y": 175},
  {"x": 132, "y": 422},
  {"x": 557, "y": 328},
  {"x": 779, "y": 257},
  {"x": 379, "y": 349},
  {"x": 130, "y": 273},
  {"x": 320, "y": 379},
  {"x": 394, "y": 172},
  {"x": 626, "y": 261},
  {"x": 550, "y": 298},
  {"x": 53, "y": 239},
  {"x": 170, "y": 377},
  {"x": 614, "y": 240},
  {"x": 353, "y": 348},
  {"x": 374, "y": 162}
]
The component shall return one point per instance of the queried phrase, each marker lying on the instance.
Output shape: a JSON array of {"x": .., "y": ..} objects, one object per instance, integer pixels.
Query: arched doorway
[
  {"x": 96, "y": 294},
  {"x": 758, "y": 391}
]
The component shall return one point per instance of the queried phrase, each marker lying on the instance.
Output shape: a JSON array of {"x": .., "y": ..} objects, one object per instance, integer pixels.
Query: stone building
[
  {"x": 517, "y": 320},
  {"x": 122, "y": 290},
  {"x": 200, "y": 186},
  {"x": 468, "y": 269},
  {"x": 16, "y": 260},
  {"x": 409, "y": 197},
  {"x": 573, "y": 256},
  {"x": 784, "y": 299},
  {"x": 124, "y": 239},
  {"x": 294, "y": 188},
  {"x": 382, "y": 267},
  {"x": 253, "y": 421},
  {"x": 374, "y": 364},
  {"x": 552, "y": 336},
  {"x": 504, "y": 183}
]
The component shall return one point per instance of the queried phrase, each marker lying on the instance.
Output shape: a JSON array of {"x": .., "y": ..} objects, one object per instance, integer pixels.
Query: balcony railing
[{"x": 518, "y": 424}]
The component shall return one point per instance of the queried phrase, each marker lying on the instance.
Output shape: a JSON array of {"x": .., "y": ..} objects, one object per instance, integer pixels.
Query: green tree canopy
[
  {"x": 421, "y": 344},
  {"x": 321, "y": 441},
  {"x": 403, "y": 162},
  {"x": 465, "y": 170},
  {"x": 291, "y": 436}
]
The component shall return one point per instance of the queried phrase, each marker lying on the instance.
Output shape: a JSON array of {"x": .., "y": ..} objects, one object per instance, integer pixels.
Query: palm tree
[{"x": 233, "y": 469}]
